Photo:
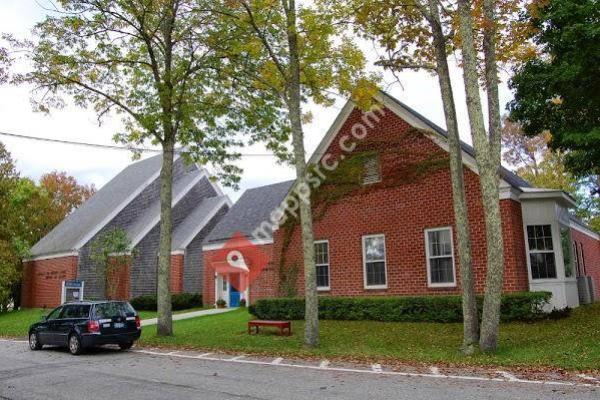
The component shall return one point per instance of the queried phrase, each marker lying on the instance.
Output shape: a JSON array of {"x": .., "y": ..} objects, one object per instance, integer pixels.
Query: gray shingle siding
[
  {"x": 143, "y": 269},
  {"x": 193, "y": 260}
]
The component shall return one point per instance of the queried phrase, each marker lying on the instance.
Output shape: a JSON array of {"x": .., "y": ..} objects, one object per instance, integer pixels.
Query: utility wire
[{"x": 105, "y": 146}]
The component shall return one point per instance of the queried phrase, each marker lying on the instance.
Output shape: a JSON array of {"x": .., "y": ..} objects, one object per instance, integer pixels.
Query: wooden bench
[{"x": 282, "y": 325}]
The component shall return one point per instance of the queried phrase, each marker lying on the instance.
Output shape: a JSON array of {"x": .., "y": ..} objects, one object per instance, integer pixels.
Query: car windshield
[{"x": 114, "y": 309}]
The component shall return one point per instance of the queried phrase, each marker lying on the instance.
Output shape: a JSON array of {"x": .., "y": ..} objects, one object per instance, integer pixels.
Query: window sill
[
  {"x": 441, "y": 285},
  {"x": 376, "y": 287},
  {"x": 323, "y": 289}
]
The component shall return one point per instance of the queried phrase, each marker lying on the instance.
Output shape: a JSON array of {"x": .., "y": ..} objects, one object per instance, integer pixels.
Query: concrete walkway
[{"x": 193, "y": 314}]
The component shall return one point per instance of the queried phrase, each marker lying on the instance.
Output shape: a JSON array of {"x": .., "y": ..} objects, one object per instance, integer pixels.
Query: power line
[
  {"x": 73, "y": 143},
  {"x": 105, "y": 146}
]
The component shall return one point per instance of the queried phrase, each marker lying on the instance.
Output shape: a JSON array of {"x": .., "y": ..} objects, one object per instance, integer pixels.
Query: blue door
[{"x": 234, "y": 297}]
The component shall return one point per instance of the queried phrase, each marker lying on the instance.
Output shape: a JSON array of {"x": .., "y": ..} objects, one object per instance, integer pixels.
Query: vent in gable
[{"x": 372, "y": 170}]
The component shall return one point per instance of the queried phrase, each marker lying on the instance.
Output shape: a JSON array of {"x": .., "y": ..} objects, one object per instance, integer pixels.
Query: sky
[{"x": 418, "y": 90}]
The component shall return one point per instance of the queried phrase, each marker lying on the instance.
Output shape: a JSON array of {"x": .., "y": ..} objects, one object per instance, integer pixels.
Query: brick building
[
  {"x": 130, "y": 201},
  {"x": 391, "y": 231}
]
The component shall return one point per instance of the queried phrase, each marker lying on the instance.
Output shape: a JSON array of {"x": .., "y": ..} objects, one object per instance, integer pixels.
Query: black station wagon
[{"x": 87, "y": 324}]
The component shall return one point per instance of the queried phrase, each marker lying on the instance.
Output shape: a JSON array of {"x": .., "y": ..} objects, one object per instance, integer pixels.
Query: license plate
[{"x": 119, "y": 325}]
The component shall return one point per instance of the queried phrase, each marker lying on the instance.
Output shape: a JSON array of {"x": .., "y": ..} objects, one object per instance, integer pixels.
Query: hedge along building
[
  {"x": 384, "y": 222},
  {"x": 130, "y": 201}
]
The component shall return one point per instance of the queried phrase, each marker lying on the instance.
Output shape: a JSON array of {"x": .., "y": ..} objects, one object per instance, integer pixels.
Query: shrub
[
  {"x": 518, "y": 306},
  {"x": 179, "y": 301}
]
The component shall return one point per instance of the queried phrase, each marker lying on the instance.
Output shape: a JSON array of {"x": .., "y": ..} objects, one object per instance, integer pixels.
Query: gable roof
[
  {"x": 197, "y": 220},
  {"x": 510, "y": 177},
  {"x": 252, "y": 208},
  {"x": 151, "y": 216},
  {"x": 416, "y": 120},
  {"x": 84, "y": 222}
]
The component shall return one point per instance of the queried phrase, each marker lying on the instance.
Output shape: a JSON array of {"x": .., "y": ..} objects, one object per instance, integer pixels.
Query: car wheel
[
  {"x": 75, "y": 344},
  {"x": 34, "y": 342},
  {"x": 125, "y": 346}
]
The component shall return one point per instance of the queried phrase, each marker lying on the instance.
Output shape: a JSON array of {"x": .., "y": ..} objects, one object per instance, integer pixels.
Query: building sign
[{"x": 72, "y": 291}]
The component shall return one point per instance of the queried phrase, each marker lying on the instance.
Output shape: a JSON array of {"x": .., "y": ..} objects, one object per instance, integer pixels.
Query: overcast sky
[{"x": 417, "y": 89}]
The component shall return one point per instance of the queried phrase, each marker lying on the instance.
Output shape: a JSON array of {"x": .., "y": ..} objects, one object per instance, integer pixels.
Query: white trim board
[
  {"x": 221, "y": 244},
  {"x": 204, "y": 222},
  {"x": 120, "y": 208},
  {"x": 52, "y": 256},
  {"x": 584, "y": 229},
  {"x": 174, "y": 202}
]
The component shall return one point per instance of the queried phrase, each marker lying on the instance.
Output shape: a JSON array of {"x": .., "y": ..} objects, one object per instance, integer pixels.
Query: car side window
[
  {"x": 76, "y": 311},
  {"x": 54, "y": 313}
]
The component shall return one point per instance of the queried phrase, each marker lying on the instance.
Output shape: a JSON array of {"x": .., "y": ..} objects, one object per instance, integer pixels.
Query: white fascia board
[
  {"x": 548, "y": 194},
  {"x": 52, "y": 256},
  {"x": 174, "y": 202},
  {"x": 120, "y": 208},
  {"x": 584, "y": 229},
  {"x": 204, "y": 222},
  {"x": 220, "y": 245}
]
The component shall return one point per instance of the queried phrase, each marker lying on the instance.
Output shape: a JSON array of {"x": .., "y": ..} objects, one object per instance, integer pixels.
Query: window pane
[
  {"x": 321, "y": 253},
  {"x": 375, "y": 273},
  {"x": 567, "y": 248},
  {"x": 374, "y": 248},
  {"x": 55, "y": 313},
  {"x": 323, "y": 275},
  {"x": 76, "y": 311},
  {"x": 441, "y": 270},
  {"x": 539, "y": 237},
  {"x": 542, "y": 265},
  {"x": 114, "y": 309},
  {"x": 440, "y": 243}
]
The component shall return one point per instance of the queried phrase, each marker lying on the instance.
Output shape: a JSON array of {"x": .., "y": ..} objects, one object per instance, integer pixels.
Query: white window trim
[
  {"x": 364, "y": 255},
  {"x": 428, "y": 258},
  {"x": 553, "y": 251},
  {"x": 328, "y": 287}
]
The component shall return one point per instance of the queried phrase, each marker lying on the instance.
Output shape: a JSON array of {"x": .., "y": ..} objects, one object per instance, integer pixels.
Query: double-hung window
[
  {"x": 322, "y": 264},
  {"x": 541, "y": 252},
  {"x": 374, "y": 261},
  {"x": 440, "y": 257}
]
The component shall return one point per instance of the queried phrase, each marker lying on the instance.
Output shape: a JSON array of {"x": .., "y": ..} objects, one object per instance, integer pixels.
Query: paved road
[{"x": 110, "y": 374}]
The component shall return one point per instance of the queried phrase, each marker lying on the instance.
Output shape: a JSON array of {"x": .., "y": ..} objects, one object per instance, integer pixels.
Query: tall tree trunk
[
  {"x": 163, "y": 288},
  {"x": 487, "y": 164},
  {"x": 490, "y": 322},
  {"x": 311, "y": 330},
  {"x": 164, "y": 326},
  {"x": 469, "y": 301}
]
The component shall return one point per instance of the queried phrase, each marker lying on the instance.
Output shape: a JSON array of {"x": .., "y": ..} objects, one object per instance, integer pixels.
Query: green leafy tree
[
  {"x": 559, "y": 91},
  {"x": 300, "y": 55},
  {"x": 111, "y": 252},
  {"x": 157, "y": 64},
  {"x": 416, "y": 35},
  {"x": 543, "y": 167},
  {"x": 9, "y": 249}
]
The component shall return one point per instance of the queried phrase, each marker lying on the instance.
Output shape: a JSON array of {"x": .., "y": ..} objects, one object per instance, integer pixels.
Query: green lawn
[
  {"x": 572, "y": 343},
  {"x": 152, "y": 314},
  {"x": 16, "y": 323}
]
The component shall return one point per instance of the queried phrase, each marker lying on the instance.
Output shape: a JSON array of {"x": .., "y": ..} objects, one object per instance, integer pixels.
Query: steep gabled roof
[
  {"x": 83, "y": 223},
  {"x": 510, "y": 177},
  {"x": 197, "y": 220},
  {"x": 252, "y": 208},
  {"x": 151, "y": 216}
]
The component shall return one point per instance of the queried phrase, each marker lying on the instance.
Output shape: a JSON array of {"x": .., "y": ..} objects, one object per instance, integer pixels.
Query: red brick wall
[
  {"x": 42, "y": 280},
  {"x": 591, "y": 256},
  {"x": 402, "y": 212},
  {"x": 177, "y": 273},
  {"x": 121, "y": 279}
]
